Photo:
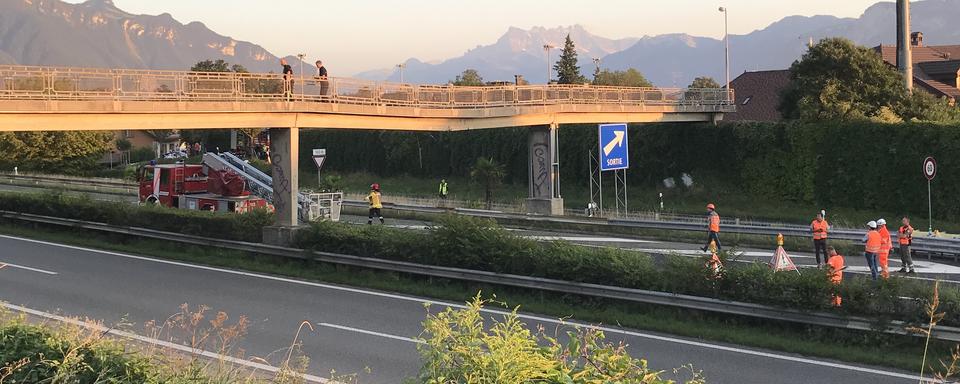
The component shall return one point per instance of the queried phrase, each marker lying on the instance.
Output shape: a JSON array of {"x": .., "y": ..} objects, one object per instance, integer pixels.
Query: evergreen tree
[{"x": 568, "y": 72}]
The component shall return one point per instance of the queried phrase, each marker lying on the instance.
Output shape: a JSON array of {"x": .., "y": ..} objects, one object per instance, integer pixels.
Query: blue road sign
[{"x": 613, "y": 147}]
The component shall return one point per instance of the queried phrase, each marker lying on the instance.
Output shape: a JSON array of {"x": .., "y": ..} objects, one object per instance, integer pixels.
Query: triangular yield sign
[
  {"x": 319, "y": 161},
  {"x": 781, "y": 261}
]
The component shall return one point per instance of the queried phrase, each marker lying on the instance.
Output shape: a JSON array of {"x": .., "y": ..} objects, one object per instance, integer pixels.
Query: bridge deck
[{"x": 48, "y": 98}]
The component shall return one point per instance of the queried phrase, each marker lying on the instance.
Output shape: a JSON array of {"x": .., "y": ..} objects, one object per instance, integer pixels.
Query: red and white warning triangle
[{"x": 781, "y": 261}]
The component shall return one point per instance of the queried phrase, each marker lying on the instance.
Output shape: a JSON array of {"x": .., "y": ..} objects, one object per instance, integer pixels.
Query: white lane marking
[
  {"x": 165, "y": 344},
  {"x": 461, "y": 306},
  {"x": 38, "y": 270},
  {"x": 372, "y": 333}
]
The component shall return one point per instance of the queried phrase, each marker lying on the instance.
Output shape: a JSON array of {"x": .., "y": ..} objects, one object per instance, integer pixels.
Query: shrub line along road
[{"x": 355, "y": 328}]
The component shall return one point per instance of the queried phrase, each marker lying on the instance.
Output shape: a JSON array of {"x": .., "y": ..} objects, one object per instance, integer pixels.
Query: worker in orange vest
[
  {"x": 835, "y": 272},
  {"x": 819, "y": 227},
  {"x": 714, "y": 264},
  {"x": 886, "y": 244},
  {"x": 872, "y": 244},
  {"x": 713, "y": 227},
  {"x": 905, "y": 238}
]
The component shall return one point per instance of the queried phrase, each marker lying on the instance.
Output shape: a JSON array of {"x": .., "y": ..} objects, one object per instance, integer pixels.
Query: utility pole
[
  {"x": 904, "y": 45},
  {"x": 726, "y": 50},
  {"x": 401, "y": 67},
  {"x": 547, "y": 48},
  {"x": 301, "y": 56}
]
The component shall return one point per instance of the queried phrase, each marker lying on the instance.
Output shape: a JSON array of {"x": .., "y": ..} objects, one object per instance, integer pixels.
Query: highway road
[{"x": 356, "y": 330}]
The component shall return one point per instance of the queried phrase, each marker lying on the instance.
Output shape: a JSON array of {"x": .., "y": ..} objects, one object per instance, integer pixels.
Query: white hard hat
[
  {"x": 881, "y": 222},
  {"x": 872, "y": 224}
]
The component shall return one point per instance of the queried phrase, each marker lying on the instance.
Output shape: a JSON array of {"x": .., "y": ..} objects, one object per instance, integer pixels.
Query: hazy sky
[{"x": 357, "y": 35}]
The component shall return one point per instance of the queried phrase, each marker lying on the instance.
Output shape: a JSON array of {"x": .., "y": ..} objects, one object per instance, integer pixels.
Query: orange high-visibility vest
[
  {"x": 836, "y": 268},
  {"x": 873, "y": 241},
  {"x": 906, "y": 235},
  {"x": 714, "y": 222},
  {"x": 819, "y": 229}
]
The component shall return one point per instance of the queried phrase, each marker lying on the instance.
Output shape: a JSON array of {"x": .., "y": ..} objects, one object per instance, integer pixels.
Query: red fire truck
[{"x": 196, "y": 187}]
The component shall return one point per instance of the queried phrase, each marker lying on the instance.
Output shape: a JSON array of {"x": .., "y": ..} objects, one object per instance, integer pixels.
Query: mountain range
[{"x": 98, "y": 34}]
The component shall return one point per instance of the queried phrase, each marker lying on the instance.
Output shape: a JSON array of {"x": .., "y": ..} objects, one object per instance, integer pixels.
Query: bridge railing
[{"x": 61, "y": 83}]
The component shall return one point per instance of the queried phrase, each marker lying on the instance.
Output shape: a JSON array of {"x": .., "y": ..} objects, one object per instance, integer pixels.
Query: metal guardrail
[
  {"x": 64, "y": 83},
  {"x": 91, "y": 184},
  {"x": 594, "y": 290}
]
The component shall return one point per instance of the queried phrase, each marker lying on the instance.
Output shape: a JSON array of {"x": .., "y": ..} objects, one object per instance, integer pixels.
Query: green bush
[
  {"x": 460, "y": 347},
  {"x": 479, "y": 244},
  {"x": 245, "y": 227},
  {"x": 46, "y": 356},
  {"x": 142, "y": 154}
]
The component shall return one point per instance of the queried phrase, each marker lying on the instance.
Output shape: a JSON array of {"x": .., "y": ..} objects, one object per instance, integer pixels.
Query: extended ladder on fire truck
[{"x": 261, "y": 185}]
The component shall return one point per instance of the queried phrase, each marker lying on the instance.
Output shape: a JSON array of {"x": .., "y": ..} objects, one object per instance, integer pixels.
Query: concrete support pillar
[
  {"x": 544, "y": 172},
  {"x": 233, "y": 140},
  {"x": 284, "y": 155}
]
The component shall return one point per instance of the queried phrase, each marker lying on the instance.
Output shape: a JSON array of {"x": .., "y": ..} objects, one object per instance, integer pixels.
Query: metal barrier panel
[
  {"x": 398, "y": 94},
  {"x": 433, "y": 95}
]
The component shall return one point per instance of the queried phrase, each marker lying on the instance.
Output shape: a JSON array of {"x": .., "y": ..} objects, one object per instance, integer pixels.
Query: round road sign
[{"x": 929, "y": 168}]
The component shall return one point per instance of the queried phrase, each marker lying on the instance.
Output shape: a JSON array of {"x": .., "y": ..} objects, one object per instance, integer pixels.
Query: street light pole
[
  {"x": 301, "y": 56},
  {"x": 596, "y": 63},
  {"x": 401, "y": 66},
  {"x": 726, "y": 49},
  {"x": 547, "y": 48}
]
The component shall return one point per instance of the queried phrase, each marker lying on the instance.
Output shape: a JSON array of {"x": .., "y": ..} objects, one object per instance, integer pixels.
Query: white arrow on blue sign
[{"x": 613, "y": 147}]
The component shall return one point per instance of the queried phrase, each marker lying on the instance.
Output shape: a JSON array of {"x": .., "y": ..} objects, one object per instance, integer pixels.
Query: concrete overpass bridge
[{"x": 57, "y": 98}]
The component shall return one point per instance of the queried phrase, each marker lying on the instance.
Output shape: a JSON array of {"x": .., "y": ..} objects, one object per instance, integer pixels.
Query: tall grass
[{"x": 87, "y": 352}]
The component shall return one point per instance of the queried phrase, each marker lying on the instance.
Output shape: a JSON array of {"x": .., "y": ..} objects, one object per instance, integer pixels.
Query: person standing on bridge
[
  {"x": 375, "y": 204},
  {"x": 905, "y": 238},
  {"x": 713, "y": 227},
  {"x": 322, "y": 78},
  {"x": 871, "y": 248},
  {"x": 886, "y": 245},
  {"x": 287, "y": 72},
  {"x": 819, "y": 227}
]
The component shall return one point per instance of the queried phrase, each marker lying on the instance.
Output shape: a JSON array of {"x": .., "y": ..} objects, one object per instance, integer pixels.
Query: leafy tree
[
  {"x": 123, "y": 144},
  {"x": 211, "y": 66},
  {"x": 460, "y": 348},
  {"x": 251, "y": 85},
  {"x": 55, "y": 151},
  {"x": 923, "y": 106},
  {"x": 838, "y": 80},
  {"x": 568, "y": 72},
  {"x": 628, "y": 78},
  {"x": 488, "y": 173},
  {"x": 469, "y": 78},
  {"x": 704, "y": 82}
]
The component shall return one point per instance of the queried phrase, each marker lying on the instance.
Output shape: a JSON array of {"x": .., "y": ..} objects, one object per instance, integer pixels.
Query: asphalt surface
[{"x": 356, "y": 330}]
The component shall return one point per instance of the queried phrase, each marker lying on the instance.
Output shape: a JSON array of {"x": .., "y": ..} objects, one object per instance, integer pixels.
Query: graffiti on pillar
[
  {"x": 541, "y": 171},
  {"x": 281, "y": 184}
]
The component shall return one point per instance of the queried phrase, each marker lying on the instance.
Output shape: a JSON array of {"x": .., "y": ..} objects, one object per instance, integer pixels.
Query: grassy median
[{"x": 872, "y": 348}]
